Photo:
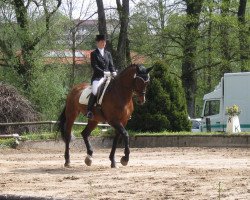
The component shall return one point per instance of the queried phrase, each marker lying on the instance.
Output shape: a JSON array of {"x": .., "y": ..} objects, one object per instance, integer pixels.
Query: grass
[
  {"x": 55, "y": 135},
  {"x": 39, "y": 136},
  {"x": 98, "y": 133},
  {"x": 166, "y": 133},
  {"x": 10, "y": 142}
]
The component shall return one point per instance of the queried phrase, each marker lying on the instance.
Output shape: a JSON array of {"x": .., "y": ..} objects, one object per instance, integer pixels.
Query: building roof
[
  {"x": 82, "y": 57},
  {"x": 66, "y": 57}
]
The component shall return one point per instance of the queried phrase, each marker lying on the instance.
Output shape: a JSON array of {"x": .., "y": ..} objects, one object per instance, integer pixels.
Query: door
[{"x": 212, "y": 119}]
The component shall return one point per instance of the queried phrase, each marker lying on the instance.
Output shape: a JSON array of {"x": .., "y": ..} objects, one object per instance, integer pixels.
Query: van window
[{"x": 212, "y": 107}]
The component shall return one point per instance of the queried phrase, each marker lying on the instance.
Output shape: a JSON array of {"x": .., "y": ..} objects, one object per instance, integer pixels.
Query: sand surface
[{"x": 152, "y": 173}]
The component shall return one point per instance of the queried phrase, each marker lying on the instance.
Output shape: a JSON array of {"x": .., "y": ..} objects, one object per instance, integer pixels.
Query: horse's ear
[{"x": 149, "y": 69}]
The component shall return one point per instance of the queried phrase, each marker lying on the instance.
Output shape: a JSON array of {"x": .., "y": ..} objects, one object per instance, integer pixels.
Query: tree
[
  {"x": 197, "y": 40},
  {"x": 28, "y": 39},
  {"x": 165, "y": 108},
  {"x": 209, "y": 46},
  {"x": 224, "y": 34},
  {"x": 122, "y": 52},
  {"x": 102, "y": 23},
  {"x": 193, "y": 10},
  {"x": 74, "y": 27},
  {"x": 155, "y": 31},
  {"x": 243, "y": 34}
]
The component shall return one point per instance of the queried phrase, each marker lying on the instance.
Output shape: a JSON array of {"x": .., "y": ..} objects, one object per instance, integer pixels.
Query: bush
[
  {"x": 48, "y": 90},
  {"x": 165, "y": 108},
  {"x": 15, "y": 108}
]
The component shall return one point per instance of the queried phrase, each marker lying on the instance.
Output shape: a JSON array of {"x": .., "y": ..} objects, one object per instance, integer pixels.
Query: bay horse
[{"x": 116, "y": 109}]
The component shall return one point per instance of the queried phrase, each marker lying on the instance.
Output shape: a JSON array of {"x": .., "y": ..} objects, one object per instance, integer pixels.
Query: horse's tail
[{"x": 62, "y": 124}]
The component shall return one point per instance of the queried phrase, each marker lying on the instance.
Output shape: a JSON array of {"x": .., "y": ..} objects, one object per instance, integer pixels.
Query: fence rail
[
  {"x": 10, "y": 136},
  {"x": 51, "y": 123},
  {"x": 46, "y": 122}
]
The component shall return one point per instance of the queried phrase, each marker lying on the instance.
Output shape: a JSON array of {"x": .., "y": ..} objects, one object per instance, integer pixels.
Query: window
[
  {"x": 212, "y": 107},
  {"x": 195, "y": 124}
]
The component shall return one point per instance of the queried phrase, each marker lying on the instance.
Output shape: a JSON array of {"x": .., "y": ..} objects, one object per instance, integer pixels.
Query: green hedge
[{"x": 165, "y": 108}]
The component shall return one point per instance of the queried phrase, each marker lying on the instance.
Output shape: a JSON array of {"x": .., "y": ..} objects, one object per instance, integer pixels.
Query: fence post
[{"x": 51, "y": 127}]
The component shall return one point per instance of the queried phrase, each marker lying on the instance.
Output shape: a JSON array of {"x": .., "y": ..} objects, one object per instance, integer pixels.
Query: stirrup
[{"x": 90, "y": 115}]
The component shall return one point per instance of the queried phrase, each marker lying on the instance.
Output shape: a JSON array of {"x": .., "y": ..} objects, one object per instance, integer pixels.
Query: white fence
[{"x": 51, "y": 123}]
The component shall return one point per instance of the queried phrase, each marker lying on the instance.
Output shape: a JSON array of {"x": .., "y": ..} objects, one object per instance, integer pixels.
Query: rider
[{"x": 101, "y": 61}]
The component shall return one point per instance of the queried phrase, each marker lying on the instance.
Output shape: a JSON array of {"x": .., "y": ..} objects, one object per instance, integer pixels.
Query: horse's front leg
[
  {"x": 85, "y": 134},
  {"x": 112, "y": 153},
  {"x": 120, "y": 128}
]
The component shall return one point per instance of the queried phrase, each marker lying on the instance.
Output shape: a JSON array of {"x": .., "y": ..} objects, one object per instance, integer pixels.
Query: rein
[
  {"x": 142, "y": 79},
  {"x": 134, "y": 89}
]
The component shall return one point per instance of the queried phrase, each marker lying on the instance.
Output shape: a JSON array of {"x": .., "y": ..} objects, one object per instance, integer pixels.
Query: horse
[{"x": 116, "y": 109}]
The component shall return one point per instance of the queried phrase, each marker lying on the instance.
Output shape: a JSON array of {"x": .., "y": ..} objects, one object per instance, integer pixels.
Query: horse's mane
[
  {"x": 126, "y": 69},
  {"x": 113, "y": 81}
]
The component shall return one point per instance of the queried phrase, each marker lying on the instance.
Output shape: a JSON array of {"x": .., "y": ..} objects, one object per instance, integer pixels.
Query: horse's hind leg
[
  {"x": 66, "y": 154},
  {"x": 67, "y": 139},
  {"x": 85, "y": 134}
]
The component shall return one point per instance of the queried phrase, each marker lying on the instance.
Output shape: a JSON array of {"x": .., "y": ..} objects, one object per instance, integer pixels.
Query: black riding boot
[{"x": 92, "y": 100}]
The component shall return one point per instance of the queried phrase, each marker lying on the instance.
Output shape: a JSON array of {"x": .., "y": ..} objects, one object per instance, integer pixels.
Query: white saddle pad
[{"x": 84, "y": 98}]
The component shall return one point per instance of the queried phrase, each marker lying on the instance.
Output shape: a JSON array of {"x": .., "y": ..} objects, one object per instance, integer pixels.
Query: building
[
  {"x": 66, "y": 57},
  {"x": 88, "y": 29},
  {"x": 82, "y": 57}
]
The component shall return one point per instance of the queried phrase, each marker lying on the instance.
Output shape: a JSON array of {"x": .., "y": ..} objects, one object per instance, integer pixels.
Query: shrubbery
[
  {"x": 14, "y": 107},
  {"x": 165, "y": 108},
  {"x": 49, "y": 89}
]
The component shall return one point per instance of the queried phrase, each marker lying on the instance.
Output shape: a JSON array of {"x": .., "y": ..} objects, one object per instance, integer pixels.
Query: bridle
[{"x": 144, "y": 81}]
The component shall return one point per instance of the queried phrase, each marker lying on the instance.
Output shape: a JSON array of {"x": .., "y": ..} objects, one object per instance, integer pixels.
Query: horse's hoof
[
  {"x": 67, "y": 165},
  {"x": 113, "y": 165},
  {"x": 124, "y": 161},
  {"x": 88, "y": 160}
]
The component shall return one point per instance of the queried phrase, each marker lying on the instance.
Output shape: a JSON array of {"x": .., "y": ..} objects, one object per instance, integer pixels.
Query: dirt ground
[{"x": 156, "y": 173}]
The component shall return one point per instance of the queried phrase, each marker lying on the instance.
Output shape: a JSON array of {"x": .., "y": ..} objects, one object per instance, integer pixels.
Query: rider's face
[{"x": 101, "y": 44}]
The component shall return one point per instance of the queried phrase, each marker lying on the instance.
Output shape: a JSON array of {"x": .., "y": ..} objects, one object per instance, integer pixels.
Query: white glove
[
  {"x": 106, "y": 73},
  {"x": 114, "y": 73}
]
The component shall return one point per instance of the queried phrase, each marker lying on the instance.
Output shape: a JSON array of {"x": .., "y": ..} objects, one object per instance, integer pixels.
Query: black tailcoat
[{"x": 101, "y": 63}]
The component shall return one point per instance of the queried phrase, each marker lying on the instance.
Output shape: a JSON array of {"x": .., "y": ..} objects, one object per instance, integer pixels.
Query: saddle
[{"x": 84, "y": 98}]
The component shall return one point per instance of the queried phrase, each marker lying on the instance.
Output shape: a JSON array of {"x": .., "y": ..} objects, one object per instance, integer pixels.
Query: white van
[{"x": 234, "y": 89}]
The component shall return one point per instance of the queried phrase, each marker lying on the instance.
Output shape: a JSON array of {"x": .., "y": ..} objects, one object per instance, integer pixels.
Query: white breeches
[{"x": 96, "y": 84}]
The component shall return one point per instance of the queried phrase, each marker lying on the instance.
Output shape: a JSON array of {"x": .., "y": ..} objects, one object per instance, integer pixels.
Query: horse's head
[{"x": 141, "y": 80}]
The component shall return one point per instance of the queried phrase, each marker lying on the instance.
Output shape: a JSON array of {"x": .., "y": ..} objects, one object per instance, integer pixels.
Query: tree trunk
[
  {"x": 161, "y": 7},
  {"x": 73, "y": 51},
  {"x": 161, "y": 13},
  {"x": 122, "y": 54},
  {"x": 123, "y": 44},
  {"x": 28, "y": 42},
  {"x": 128, "y": 55},
  {"x": 224, "y": 41},
  {"x": 26, "y": 60},
  {"x": 189, "y": 52},
  {"x": 209, "y": 45},
  {"x": 73, "y": 31},
  {"x": 102, "y": 25},
  {"x": 243, "y": 34}
]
